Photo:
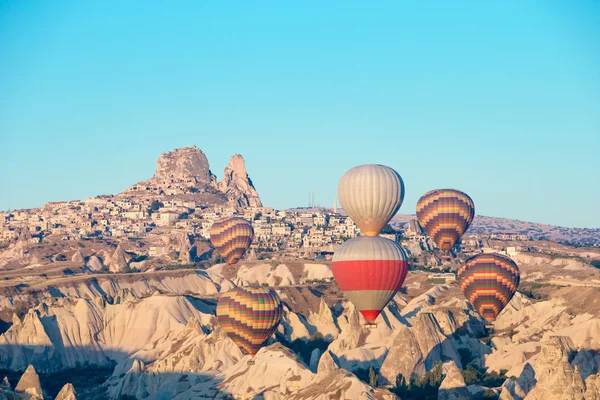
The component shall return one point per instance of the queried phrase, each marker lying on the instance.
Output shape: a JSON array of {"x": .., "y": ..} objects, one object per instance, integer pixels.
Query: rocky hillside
[
  {"x": 186, "y": 171},
  {"x": 535, "y": 231},
  {"x": 158, "y": 334}
]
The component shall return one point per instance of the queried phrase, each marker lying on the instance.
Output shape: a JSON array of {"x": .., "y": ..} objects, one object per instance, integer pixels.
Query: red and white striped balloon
[{"x": 369, "y": 271}]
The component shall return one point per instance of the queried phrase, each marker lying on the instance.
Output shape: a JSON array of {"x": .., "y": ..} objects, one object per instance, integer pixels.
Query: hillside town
[
  {"x": 165, "y": 222},
  {"x": 301, "y": 233}
]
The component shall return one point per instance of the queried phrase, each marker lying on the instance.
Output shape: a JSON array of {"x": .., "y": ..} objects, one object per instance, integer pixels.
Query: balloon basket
[
  {"x": 370, "y": 325},
  {"x": 251, "y": 362}
]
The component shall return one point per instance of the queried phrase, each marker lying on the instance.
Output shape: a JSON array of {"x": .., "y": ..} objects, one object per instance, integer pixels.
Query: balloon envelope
[
  {"x": 369, "y": 271},
  {"x": 249, "y": 316},
  {"x": 445, "y": 215},
  {"x": 231, "y": 237},
  {"x": 371, "y": 195},
  {"x": 489, "y": 281}
]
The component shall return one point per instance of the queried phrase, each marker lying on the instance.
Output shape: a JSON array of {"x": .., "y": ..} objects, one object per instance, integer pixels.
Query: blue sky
[{"x": 498, "y": 99}]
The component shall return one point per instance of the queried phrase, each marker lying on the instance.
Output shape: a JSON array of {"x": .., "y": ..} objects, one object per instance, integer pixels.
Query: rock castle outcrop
[{"x": 186, "y": 171}]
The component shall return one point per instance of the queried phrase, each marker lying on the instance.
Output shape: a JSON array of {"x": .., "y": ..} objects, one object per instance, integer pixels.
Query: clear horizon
[{"x": 498, "y": 100}]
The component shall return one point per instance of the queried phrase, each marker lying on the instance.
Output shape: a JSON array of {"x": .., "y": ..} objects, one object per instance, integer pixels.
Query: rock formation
[
  {"x": 118, "y": 261},
  {"x": 66, "y": 393},
  {"x": 517, "y": 389},
  {"x": 186, "y": 171},
  {"x": 94, "y": 263},
  {"x": 29, "y": 386},
  {"x": 236, "y": 184},
  {"x": 186, "y": 164},
  {"x": 556, "y": 378},
  {"x": 453, "y": 386},
  {"x": 77, "y": 257}
]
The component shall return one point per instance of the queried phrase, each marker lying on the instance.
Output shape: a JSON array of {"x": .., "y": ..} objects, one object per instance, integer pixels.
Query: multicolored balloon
[
  {"x": 249, "y": 316},
  {"x": 489, "y": 281},
  {"x": 371, "y": 195},
  {"x": 231, "y": 237},
  {"x": 445, "y": 215},
  {"x": 369, "y": 271}
]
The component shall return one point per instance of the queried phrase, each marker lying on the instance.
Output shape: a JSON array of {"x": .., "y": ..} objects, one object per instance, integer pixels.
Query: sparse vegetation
[
  {"x": 305, "y": 347},
  {"x": 480, "y": 376},
  {"x": 535, "y": 290},
  {"x": 173, "y": 267},
  {"x": 368, "y": 375},
  {"x": 155, "y": 206},
  {"x": 416, "y": 267},
  {"x": 465, "y": 356},
  {"x": 425, "y": 387},
  {"x": 128, "y": 270}
]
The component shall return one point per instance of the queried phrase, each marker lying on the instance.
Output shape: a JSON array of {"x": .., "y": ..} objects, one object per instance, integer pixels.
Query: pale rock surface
[
  {"x": 275, "y": 374},
  {"x": 556, "y": 378},
  {"x": 66, "y": 393},
  {"x": 29, "y": 386},
  {"x": 236, "y": 184},
  {"x": 339, "y": 384},
  {"x": 453, "y": 386},
  {"x": 517, "y": 389},
  {"x": 118, "y": 260},
  {"x": 5, "y": 384},
  {"x": 77, "y": 257},
  {"x": 405, "y": 357},
  {"x": 184, "y": 164},
  {"x": 592, "y": 385},
  {"x": 314, "y": 360},
  {"x": 323, "y": 321},
  {"x": 257, "y": 274},
  {"x": 14, "y": 254},
  {"x": 316, "y": 272},
  {"x": 327, "y": 363},
  {"x": 94, "y": 263}
]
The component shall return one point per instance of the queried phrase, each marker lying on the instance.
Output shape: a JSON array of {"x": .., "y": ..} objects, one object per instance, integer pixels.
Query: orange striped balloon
[
  {"x": 231, "y": 237},
  {"x": 445, "y": 215},
  {"x": 249, "y": 316},
  {"x": 489, "y": 281}
]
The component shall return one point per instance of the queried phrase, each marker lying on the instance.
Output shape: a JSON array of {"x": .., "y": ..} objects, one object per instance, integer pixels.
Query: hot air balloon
[
  {"x": 231, "y": 237},
  {"x": 249, "y": 316},
  {"x": 445, "y": 215},
  {"x": 371, "y": 195},
  {"x": 369, "y": 271},
  {"x": 489, "y": 281}
]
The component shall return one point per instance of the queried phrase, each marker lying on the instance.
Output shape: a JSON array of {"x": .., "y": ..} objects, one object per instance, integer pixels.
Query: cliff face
[{"x": 237, "y": 184}]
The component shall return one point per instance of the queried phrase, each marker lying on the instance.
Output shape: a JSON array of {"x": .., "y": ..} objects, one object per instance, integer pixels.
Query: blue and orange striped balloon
[
  {"x": 489, "y": 281},
  {"x": 249, "y": 316},
  {"x": 445, "y": 215},
  {"x": 231, "y": 237}
]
